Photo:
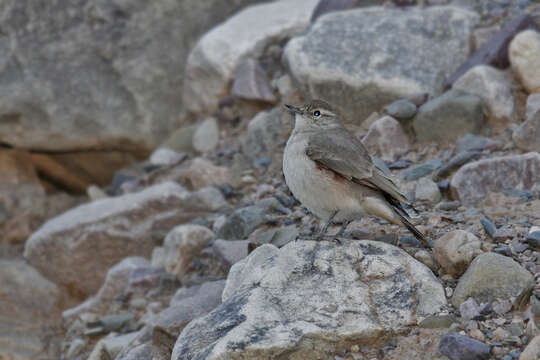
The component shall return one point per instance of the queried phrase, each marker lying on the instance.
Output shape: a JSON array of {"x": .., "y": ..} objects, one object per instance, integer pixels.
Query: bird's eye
[{"x": 317, "y": 113}]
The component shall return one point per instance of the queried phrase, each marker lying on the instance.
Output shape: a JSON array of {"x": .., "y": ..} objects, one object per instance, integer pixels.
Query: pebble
[
  {"x": 401, "y": 109},
  {"x": 419, "y": 171},
  {"x": 471, "y": 142},
  {"x": 533, "y": 239},
  {"x": 488, "y": 226},
  {"x": 427, "y": 191},
  {"x": 206, "y": 136},
  {"x": 501, "y": 235},
  {"x": 448, "y": 205},
  {"x": 459, "y": 347},
  {"x": 400, "y": 164},
  {"x": 455, "y": 162},
  {"x": 470, "y": 310}
]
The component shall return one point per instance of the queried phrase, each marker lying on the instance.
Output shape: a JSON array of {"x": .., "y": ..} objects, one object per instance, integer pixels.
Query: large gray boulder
[
  {"x": 77, "y": 248},
  {"x": 308, "y": 299},
  {"x": 213, "y": 63},
  {"x": 366, "y": 58},
  {"x": 97, "y": 74}
]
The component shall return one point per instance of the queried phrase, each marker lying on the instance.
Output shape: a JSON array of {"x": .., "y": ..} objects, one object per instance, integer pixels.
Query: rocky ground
[{"x": 162, "y": 229}]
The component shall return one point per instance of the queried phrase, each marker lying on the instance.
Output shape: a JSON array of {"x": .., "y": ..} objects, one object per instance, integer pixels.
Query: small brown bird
[{"x": 331, "y": 173}]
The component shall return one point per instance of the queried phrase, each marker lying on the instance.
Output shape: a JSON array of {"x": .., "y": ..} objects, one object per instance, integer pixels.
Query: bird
[{"x": 331, "y": 173}]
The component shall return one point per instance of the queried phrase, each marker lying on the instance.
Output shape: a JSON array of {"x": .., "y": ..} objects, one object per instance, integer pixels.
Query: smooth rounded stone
[
  {"x": 532, "y": 351},
  {"x": 76, "y": 248},
  {"x": 186, "y": 305},
  {"x": 471, "y": 142},
  {"x": 212, "y": 63},
  {"x": 401, "y": 109},
  {"x": 243, "y": 221},
  {"x": 456, "y": 250},
  {"x": 437, "y": 321},
  {"x": 30, "y": 311},
  {"x": 105, "y": 75},
  {"x": 230, "y": 251},
  {"x": 387, "y": 138},
  {"x": 421, "y": 170},
  {"x": 476, "y": 180},
  {"x": 459, "y": 347},
  {"x": 206, "y": 135},
  {"x": 527, "y": 135},
  {"x": 351, "y": 60},
  {"x": 309, "y": 299},
  {"x": 113, "y": 285},
  {"x": 163, "y": 156},
  {"x": 182, "y": 244},
  {"x": 524, "y": 53},
  {"x": 448, "y": 205},
  {"x": 491, "y": 276},
  {"x": 446, "y": 118},
  {"x": 251, "y": 83},
  {"x": 263, "y": 134},
  {"x": 494, "y": 88},
  {"x": 427, "y": 191}
]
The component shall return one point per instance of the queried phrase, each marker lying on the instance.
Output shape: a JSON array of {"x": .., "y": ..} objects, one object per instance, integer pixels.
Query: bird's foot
[{"x": 319, "y": 237}]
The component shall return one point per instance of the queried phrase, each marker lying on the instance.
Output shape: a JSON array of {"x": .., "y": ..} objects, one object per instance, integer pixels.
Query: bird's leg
[
  {"x": 343, "y": 228},
  {"x": 325, "y": 227}
]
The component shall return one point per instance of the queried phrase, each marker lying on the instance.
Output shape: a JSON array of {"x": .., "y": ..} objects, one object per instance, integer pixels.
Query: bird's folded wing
[{"x": 340, "y": 151}]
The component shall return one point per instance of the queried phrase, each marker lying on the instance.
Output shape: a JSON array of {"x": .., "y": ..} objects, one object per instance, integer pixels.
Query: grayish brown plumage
[{"x": 331, "y": 173}]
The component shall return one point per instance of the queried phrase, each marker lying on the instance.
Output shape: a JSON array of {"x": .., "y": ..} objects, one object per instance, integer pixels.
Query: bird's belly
[{"x": 321, "y": 191}]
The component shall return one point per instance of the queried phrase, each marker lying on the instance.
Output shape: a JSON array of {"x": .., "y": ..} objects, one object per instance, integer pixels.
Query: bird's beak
[{"x": 294, "y": 109}]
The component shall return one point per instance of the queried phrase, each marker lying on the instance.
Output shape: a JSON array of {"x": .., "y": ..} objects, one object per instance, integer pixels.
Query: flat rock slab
[
  {"x": 77, "y": 248},
  {"x": 474, "y": 181},
  {"x": 364, "y": 59},
  {"x": 308, "y": 299}
]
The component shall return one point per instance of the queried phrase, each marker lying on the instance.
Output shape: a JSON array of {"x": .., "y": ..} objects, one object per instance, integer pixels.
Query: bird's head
[{"x": 314, "y": 114}]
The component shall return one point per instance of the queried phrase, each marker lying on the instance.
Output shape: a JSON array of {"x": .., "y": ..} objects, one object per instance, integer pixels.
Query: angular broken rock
[
  {"x": 349, "y": 60},
  {"x": 387, "y": 137},
  {"x": 494, "y": 88},
  {"x": 251, "y": 83},
  {"x": 495, "y": 51},
  {"x": 474, "y": 181},
  {"x": 77, "y": 248},
  {"x": 309, "y": 299},
  {"x": 212, "y": 63}
]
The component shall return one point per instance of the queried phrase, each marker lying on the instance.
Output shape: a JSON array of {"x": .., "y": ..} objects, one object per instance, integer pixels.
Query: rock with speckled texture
[
  {"x": 310, "y": 298},
  {"x": 474, "y": 181}
]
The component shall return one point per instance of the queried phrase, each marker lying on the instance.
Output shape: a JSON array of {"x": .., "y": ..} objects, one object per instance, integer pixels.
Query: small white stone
[
  {"x": 524, "y": 53},
  {"x": 206, "y": 136}
]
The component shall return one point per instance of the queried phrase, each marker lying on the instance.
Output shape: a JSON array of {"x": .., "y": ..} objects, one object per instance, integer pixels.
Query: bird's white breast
[{"x": 318, "y": 189}]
